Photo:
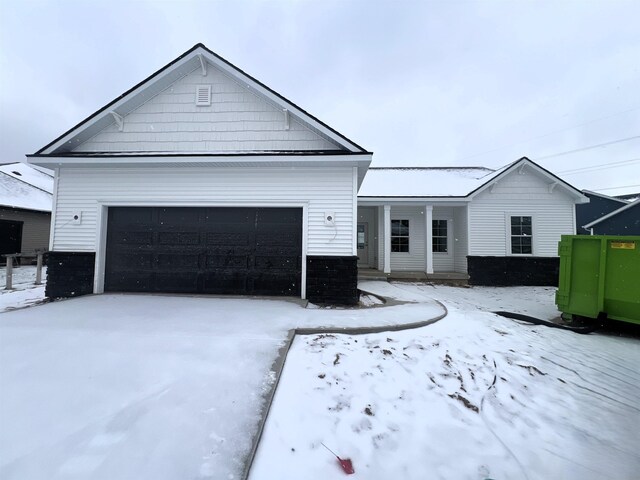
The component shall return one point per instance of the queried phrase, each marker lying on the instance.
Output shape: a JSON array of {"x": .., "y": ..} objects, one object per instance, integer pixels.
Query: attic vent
[
  {"x": 16, "y": 173},
  {"x": 203, "y": 95}
]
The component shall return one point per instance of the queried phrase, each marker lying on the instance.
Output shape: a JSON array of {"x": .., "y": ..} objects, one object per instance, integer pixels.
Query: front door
[{"x": 363, "y": 244}]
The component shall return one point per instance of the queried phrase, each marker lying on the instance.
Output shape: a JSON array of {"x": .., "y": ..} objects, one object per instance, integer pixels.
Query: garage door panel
[
  {"x": 280, "y": 284},
  {"x": 224, "y": 281},
  {"x": 227, "y": 238},
  {"x": 134, "y": 260},
  {"x": 178, "y": 217},
  {"x": 132, "y": 237},
  {"x": 227, "y": 261},
  {"x": 179, "y": 238},
  {"x": 290, "y": 264},
  {"x": 178, "y": 261},
  {"x": 176, "y": 282},
  {"x": 130, "y": 281},
  {"x": 204, "y": 250}
]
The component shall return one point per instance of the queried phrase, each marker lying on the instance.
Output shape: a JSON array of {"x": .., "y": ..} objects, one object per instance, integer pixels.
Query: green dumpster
[{"x": 600, "y": 274}]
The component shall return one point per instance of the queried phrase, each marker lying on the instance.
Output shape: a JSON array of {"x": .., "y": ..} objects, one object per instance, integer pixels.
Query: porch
[
  {"x": 412, "y": 240},
  {"x": 446, "y": 278}
]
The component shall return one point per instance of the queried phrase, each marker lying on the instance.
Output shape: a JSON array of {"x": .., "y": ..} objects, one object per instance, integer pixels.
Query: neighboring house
[
  {"x": 623, "y": 221},
  {"x": 25, "y": 208},
  {"x": 501, "y": 227},
  {"x": 599, "y": 205},
  {"x": 201, "y": 179}
]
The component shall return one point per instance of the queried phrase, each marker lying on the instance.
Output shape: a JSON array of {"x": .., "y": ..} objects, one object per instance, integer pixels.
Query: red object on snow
[{"x": 345, "y": 463}]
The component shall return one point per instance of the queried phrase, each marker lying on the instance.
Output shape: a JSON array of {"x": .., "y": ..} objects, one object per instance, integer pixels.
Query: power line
[
  {"x": 550, "y": 133},
  {"x": 590, "y": 147},
  {"x": 614, "y": 188},
  {"x": 601, "y": 166}
]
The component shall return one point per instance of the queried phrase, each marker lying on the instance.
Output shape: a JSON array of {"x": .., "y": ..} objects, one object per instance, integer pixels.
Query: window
[
  {"x": 439, "y": 235},
  {"x": 521, "y": 236},
  {"x": 400, "y": 236}
]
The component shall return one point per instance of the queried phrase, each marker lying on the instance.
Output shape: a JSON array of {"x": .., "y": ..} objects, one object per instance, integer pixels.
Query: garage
[{"x": 214, "y": 250}]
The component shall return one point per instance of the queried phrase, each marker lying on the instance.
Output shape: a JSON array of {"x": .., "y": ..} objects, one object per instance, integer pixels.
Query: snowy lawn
[
  {"x": 24, "y": 291},
  {"x": 141, "y": 386},
  {"x": 473, "y": 396}
]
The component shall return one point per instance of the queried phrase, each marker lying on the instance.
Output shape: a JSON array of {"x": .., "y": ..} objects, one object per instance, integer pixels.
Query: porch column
[
  {"x": 387, "y": 239},
  {"x": 428, "y": 247}
]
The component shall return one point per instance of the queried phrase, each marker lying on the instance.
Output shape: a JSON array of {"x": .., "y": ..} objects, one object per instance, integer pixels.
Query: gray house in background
[
  {"x": 26, "y": 194},
  {"x": 599, "y": 205},
  {"x": 623, "y": 221}
]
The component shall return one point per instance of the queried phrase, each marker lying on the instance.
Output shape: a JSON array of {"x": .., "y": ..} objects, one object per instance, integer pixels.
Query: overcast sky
[{"x": 418, "y": 83}]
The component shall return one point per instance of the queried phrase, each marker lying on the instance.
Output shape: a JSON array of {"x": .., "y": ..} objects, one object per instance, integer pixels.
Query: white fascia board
[
  {"x": 360, "y": 161},
  {"x": 413, "y": 201}
]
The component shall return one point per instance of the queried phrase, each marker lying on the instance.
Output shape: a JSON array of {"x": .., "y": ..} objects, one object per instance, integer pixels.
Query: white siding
[
  {"x": 237, "y": 120},
  {"x": 524, "y": 193},
  {"x": 460, "y": 239},
  {"x": 324, "y": 189}
]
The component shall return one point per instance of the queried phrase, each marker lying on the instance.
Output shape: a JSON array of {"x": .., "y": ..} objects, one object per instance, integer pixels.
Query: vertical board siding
[
  {"x": 236, "y": 120},
  {"x": 324, "y": 189},
  {"x": 524, "y": 193},
  {"x": 460, "y": 239},
  {"x": 35, "y": 229}
]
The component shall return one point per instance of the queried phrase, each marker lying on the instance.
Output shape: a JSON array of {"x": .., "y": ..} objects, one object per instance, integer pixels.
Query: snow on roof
[
  {"x": 22, "y": 186},
  {"x": 424, "y": 181},
  {"x": 29, "y": 174}
]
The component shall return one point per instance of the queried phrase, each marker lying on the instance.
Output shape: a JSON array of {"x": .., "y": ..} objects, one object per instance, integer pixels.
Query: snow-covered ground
[
  {"x": 142, "y": 386},
  {"x": 166, "y": 387},
  {"x": 473, "y": 396},
  {"x": 24, "y": 291}
]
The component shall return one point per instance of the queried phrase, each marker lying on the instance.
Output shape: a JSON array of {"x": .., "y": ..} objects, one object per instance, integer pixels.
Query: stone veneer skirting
[
  {"x": 70, "y": 274},
  {"x": 332, "y": 280},
  {"x": 513, "y": 271}
]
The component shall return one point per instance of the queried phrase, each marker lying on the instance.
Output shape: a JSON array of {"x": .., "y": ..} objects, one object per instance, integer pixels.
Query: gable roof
[
  {"x": 612, "y": 214},
  {"x": 521, "y": 163},
  {"x": 446, "y": 182},
  {"x": 421, "y": 181},
  {"x": 590, "y": 193},
  {"x": 25, "y": 187},
  {"x": 196, "y": 56}
]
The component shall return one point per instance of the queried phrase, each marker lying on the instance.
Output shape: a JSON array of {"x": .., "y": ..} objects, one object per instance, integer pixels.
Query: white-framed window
[
  {"x": 440, "y": 237},
  {"x": 400, "y": 236},
  {"x": 521, "y": 234}
]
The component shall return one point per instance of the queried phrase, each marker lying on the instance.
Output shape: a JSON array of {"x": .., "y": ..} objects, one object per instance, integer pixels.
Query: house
[
  {"x": 599, "y": 205},
  {"x": 500, "y": 227},
  {"x": 623, "y": 221},
  {"x": 25, "y": 208},
  {"x": 201, "y": 179}
]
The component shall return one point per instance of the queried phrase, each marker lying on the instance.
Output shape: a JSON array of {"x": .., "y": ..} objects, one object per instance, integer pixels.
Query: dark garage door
[{"x": 254, "y": 251}]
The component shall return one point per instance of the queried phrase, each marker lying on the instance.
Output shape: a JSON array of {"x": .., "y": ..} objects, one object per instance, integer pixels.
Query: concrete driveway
[{"x": 135, "y": 386}]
